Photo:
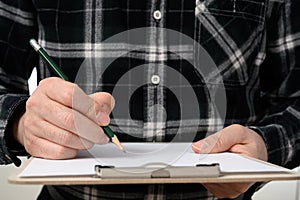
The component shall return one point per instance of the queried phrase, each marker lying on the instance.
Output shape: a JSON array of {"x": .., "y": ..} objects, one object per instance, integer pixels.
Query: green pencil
[{"x": 113, "y": 138}]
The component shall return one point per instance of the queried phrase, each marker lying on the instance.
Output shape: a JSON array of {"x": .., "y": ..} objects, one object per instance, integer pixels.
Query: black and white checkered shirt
[{"x": 255, "y": 45}]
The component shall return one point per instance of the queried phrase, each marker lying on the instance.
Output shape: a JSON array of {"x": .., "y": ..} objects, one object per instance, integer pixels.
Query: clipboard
[{"x": 201, "y": 172}]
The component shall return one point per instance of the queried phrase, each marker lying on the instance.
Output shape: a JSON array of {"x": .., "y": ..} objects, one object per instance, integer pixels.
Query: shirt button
[
  {"x": 155, "y": 79},
  {"x": 157, "y": 15}
]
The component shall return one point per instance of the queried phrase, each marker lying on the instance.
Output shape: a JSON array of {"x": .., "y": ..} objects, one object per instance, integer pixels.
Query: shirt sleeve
[
  {"x": 280, "y": 82},
  {"x": 17, "y": 59}
]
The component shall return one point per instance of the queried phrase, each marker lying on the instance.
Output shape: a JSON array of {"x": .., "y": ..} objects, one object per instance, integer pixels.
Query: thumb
[
  {"x": 104, "y": 100},
  {"x": 220, "y": 141}
]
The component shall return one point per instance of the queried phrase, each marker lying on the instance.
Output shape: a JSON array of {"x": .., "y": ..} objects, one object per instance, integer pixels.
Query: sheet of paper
[{"x": 142, "y": 155}]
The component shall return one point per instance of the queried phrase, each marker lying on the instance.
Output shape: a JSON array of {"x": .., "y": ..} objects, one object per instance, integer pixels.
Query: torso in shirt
[{"x": 77, "y": 33}]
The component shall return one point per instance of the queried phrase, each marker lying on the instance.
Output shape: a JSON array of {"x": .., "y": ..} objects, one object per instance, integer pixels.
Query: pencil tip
[{"x": 116, "y": 141}]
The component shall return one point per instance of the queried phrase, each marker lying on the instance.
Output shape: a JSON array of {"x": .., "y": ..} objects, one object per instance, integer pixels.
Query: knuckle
[
  {"x": 239, "y": 128},
  {"x": 65, "y": 137},
  {"x": 68, "y": 119},
  {"x": 219, "y": 144},
  {"x": 31, "y": 103},
  {"x": 217, "y": 141},
  {"x": 45, "y": 82},
  {"x": 68, "y": 96},
  {"x": 28, "y": 122}
]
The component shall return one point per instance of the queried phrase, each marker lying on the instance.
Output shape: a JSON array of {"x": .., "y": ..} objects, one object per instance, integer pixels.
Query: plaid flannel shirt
[{"x": 254, "y": 43}]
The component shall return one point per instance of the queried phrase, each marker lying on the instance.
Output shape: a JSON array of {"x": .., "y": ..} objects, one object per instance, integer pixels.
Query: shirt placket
[{"x": 155, "y": 115}]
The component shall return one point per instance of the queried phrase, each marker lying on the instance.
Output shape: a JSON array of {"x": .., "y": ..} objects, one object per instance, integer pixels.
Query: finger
[
  {"x": 42, "y": 148},
  {"x": 58, "y": 90},
  {"x": 71, "y": 120},
  {"x": 222, "y": 140},
  {"x": 104, "y": 98},
  {"x": 106, "y": 103},
  {"x": 50, "y": 132},
  {"x": 74, "y": 97},
  {"x": 86, "y": 128},
  {"x": 96, "y": 107}
]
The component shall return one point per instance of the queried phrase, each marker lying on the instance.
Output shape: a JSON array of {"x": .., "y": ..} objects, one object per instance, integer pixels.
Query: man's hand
[
  {"x": 236, "y": 139},
  {"x": 60, "y": 119}
]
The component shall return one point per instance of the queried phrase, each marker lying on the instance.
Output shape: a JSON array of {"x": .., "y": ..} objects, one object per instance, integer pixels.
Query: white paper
[{"x": 145, "y": 155}]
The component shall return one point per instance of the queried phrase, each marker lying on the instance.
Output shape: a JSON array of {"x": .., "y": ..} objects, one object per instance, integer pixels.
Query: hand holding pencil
[
  {"x": 113, "y": 138},
  {"x": 54, "y": 127}
]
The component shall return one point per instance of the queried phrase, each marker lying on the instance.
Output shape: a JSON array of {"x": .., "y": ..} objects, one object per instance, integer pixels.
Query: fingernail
[
  {"x": 102, "y": 118},
  {"x": 112, "y": 102},
  {"x": 195, "y": 148},
  {"x": 202, "y": 149}
]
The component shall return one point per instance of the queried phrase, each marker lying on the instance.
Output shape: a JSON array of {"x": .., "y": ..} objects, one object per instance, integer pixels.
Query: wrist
[
  {"x": 18, "y": 129},
  {"x": 265, "y": 152}
]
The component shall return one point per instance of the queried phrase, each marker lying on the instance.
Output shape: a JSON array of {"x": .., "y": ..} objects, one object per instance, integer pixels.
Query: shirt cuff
[
  {"x": 9, "y": 148},
  {"x": 276, "y": 142}
]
